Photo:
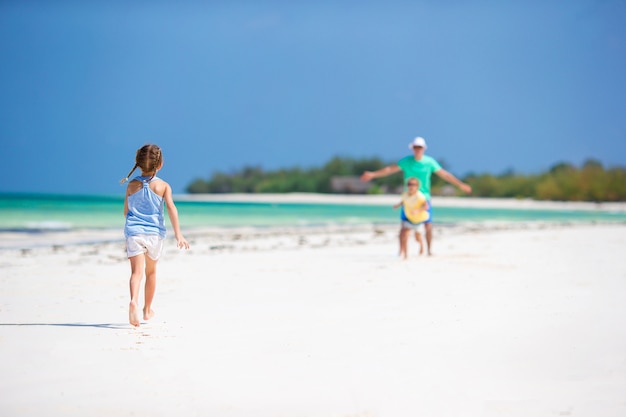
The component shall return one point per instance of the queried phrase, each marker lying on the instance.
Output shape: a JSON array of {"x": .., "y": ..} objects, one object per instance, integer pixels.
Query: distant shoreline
[
  {"x": 361, "y": 199},
  {"x": 390, "y": 199}
]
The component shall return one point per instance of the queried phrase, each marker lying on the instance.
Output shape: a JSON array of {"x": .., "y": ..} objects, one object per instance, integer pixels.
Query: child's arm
[
  {"x": 131, "y": 188},
  {"x": 173, "y": 214},
  {"x": 126, "y": 201},
  {"x": 399, "y": 204},
  {"x": 423, "y": 207}
]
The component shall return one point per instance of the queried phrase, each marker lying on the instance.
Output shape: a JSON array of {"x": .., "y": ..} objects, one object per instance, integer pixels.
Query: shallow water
[{"x": 32, "y": 213}]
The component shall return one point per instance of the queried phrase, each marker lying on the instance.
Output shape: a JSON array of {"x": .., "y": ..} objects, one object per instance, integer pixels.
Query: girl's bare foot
[
  {"x": 133, "y": 317},
  {"x": 148, "y": 314}
]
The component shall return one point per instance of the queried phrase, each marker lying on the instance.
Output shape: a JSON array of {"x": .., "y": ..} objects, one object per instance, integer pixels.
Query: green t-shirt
[{"x": 422, "y": 170}]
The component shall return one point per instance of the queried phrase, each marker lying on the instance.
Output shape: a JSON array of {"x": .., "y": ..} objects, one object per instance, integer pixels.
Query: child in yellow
[
  {"x": 144, "y": 230},
  {"x": 415, "y": 210}
]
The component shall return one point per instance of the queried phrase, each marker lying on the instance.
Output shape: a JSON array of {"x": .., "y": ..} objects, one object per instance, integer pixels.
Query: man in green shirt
[{"x": 421, "y": 167}]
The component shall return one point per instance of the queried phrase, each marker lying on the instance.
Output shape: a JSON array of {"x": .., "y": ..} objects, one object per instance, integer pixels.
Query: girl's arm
[
  {"x": 132, "y": 187},
  {"x": 421, "y": 208},
  {"x": 172, "y": 212},
  {"x": 126, "y": 203}
]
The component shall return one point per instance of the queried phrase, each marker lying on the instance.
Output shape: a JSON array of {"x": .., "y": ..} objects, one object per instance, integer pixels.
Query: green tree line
[
  {"x": 251, "y": 179},
  {"x": 562, "y": 182}
]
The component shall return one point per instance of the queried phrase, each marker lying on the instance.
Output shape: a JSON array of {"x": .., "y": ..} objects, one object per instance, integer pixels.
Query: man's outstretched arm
[
  {"x": 383, "y": 172},
  {"x": 446, "y": 176}
]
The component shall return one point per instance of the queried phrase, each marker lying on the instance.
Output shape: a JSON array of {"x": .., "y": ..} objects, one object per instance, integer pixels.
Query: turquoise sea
[{"x": 31, "y": 213}]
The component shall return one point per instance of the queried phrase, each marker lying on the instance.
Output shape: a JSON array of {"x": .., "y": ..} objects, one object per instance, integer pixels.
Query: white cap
[{"x": 418, "y": 141}]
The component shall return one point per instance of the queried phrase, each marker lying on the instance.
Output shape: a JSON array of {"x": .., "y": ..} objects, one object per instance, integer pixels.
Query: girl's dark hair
[{"x": 148, "y": 159}]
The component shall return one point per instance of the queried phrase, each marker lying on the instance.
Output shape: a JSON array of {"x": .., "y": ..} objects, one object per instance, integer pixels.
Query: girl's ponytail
[{"x": 123, "y": 180}]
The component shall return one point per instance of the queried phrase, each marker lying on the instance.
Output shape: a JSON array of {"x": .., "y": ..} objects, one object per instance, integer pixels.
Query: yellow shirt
[{"x": 415, "y": 207}]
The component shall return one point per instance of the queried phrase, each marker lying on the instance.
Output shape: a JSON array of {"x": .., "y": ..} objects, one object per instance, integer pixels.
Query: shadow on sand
[{"x": 100, "y": 325}]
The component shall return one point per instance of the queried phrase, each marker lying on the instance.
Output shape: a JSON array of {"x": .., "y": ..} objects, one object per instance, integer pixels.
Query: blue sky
[{"x": 492, "y": 86}]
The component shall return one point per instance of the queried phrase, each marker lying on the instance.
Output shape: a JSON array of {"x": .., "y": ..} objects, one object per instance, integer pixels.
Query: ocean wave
[{"x": 43, "y": 226}]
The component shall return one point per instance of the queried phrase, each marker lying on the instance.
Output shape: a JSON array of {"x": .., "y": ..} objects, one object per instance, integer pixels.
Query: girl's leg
[
  {"x": 429, "y": 236},
  {"x": 404, "y": 237},
  {"x": 150, "y": 288},
  {"x": 136, "y": 273},
  {"x": 418, "y": 237}
]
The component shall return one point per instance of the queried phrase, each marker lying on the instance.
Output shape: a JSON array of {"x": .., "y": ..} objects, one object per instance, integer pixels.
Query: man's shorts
[{"x": 152, "y": 245}]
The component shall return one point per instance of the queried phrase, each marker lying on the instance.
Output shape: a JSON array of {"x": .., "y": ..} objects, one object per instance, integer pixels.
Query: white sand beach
[{"x": 505, "y": 321}]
